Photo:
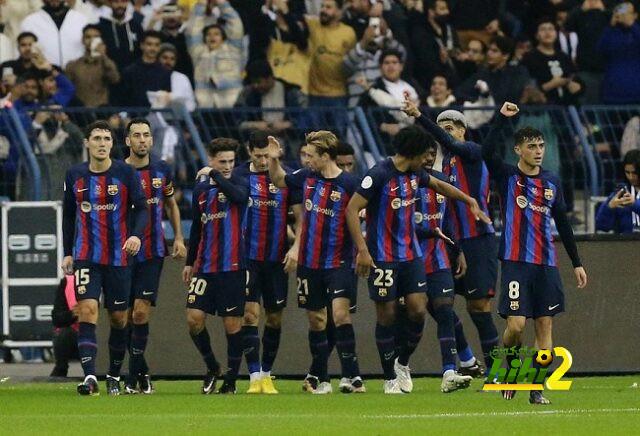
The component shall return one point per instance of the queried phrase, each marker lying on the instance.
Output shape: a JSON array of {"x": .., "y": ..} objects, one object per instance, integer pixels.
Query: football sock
[
  {"x": 488, "y": 334},
  {"x": 446, "y": 336},
  {"x": 413, "y": 331},
  {"x": 202, "y": 342},
  {"x": 465, "y": 353},
  {"x": 138, "y": 344},
  {"x": 319, "y": 348},
  {"x": 251, "y": 344},
  {"x": 270, "y": 346},
  {"x": 87, "y": 347},
  {"x": 331, "y": 335},
  {"x": 234, "y": 356},
  {"x": 386, "y": 349},
  {"x": 400, "y": 328},
  {"x": 117, "y": 349},
  {"x": 346, "y": 346}
]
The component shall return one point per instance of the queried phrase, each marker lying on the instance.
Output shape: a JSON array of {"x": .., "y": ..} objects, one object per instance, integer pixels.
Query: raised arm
[
  {"x": 276, "y": 172},
  {"x": 490, "y": 152},
  {"x": 454, "y": 193}
]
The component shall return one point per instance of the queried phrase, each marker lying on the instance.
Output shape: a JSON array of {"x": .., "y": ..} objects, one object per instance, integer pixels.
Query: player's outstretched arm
[
  {"x": 490, "y": 152},
  {"x": 364, "y": 261},
  {"x": 569, "y": 241},
  {"x": 179, "y": 250},
  {"x": 454, "y": 193},
  {"x": 276, "y": 172},
  {"x": 68, "y": 226},
  {"x": 291, "y": 258}
]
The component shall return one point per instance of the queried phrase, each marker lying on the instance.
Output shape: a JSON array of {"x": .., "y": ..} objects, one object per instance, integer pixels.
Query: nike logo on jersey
[
  {"x": 202, "y": 202},
  {"x": 82, "y": 190},
  {"x": 279, "y": 301},
  {"x": 553, "y": 307},
  {"x": 119, "y": 302},
  {"x": 520, "y": 184},
  {"x": 472, "y": 291},
  {"x": 444, "y": 291},
  {"x": 421, "y": 284},
  {"x": 311, "y": 187},
  {"x": 395, "y": 189},
  {"x": 147, "y": 292},
  {"x": 229, "y": 309}
]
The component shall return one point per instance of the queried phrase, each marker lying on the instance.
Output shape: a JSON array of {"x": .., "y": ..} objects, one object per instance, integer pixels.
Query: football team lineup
[{"x": 417, "y": 235}]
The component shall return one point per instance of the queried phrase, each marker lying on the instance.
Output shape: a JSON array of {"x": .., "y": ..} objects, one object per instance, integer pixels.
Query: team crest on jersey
[
  {"x": 515, "y": 305},
  {"x": 82, "y": 289},
  {"x": 548, "y": 194},
  {"x": 335, "y": 195},
  {"x": 521, "y": 200},
  {"x": 221, "y": 197},
  {"x": 112, "y": 189},
  {"x": 308, "y": 204},
  {"x": 382, "y": 292},
  {"x": 414, "y": 183},
  {"x": 452, "y": 161},
  {"x": 272, "y": 188},
  {"x": 418, "y": 217},
  {"x": 85, "y": 206},
  {"x": 439, "y": 198},
  {"x": 156, "y": 182}
]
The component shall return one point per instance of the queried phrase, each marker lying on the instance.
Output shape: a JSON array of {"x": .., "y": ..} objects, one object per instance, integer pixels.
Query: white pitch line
[{"x": 333, "y": 416}]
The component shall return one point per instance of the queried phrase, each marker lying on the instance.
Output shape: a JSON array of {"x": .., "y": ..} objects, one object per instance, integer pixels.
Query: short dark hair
[
  {"x": 412, "y": 141},
  {"x": 445, "y": 76},
  {"x": 390, "y": 52},
  {"x": 97, "y": 125},
  {"x": 632, "y": 157},
  {"x": 258, "y": 139},
  {"x": 91, "y": 26},
  {"x": 137, "y": 120},
  {"x": 526, "y": 133},
  {"x": 339, "y": 3},
  {"x": 345, "y": 149},
  {"x": 260, "y": 69},
  {"x": 545, "y": 20},
  {"x": 214, "y": 26},
  {"x": 504, "y": 44},
  {"x": 219, "y": 145},
  {"x": 150, "y": 34},
  {"x": 483, "y": 44},
  {"x": 22, "y": 35}
]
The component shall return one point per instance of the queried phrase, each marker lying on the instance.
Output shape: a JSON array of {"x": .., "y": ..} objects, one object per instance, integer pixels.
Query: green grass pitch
[{"x": 597, "y": 405}]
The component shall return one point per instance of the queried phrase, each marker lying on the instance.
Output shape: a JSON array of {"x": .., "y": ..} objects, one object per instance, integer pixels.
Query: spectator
[
  {"x": 440, "y": 93},
  {"x": 94, "y": 72},
  {"x": 567, "y": 40},
  {"x": 506, "y": 82},
  {"x": 620, "y": 46},
  {"x": 25, "y": 95},
  {"x": 23, "y": 64},
  {"x": 144, "y": 76},
  {"x": 551, "y": 68},
  {"x": 218, "y": 69},
  {"x": 288, "y": 41},
  {"x": 631, "y": 135},
  {"x": 475, "y": 19},
  {"x": 621, "y": 211},
  {"x": 358, "y": 15},
  {"x": 55, "y": 86},
  {"x": 364, "y": 58},
  {"x": 389, "y": 91},
  {"x": 202, "y": 16},
  {"x": 469, "y": 61},
  {"x": 12, "y": 12},
  {"x": 121, "y": 31},
  {"x": 434, "y": 42},
  {"x": 173, "y": 32},
  {"x": 265, "y": 91},
  {"x": 588, "y": 22},
  {"x": 59, "y": 31},
  {"x": 7, "y": 50},
  {"x": 329, "y": 41},
  {"x": 345, "y": 158},
  {"x": 92, "y": 10},
  {"x": 181, "y": 89},
  {"x": 65, "y": 320},
  {"x": 522, "y": 47}
]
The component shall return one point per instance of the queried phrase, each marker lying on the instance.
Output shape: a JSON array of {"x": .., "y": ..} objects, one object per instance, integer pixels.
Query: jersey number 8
[{"x": 514, "y": 290}]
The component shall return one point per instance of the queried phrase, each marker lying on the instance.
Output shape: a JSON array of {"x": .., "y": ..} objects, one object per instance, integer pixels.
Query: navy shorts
[
  {"x": 440, "y": 284},
  {"x": 92, "y": 279},
  {"x": 222, "y": 293},
  {"x": 318, "y": 287},
  {"x": 480, "y": 279},
  {"x": 269, "y": 283},
  {"x": 145, "y": 279},
  {"x": 390, "y": 281},
  {"x": 530, "y": 290}
]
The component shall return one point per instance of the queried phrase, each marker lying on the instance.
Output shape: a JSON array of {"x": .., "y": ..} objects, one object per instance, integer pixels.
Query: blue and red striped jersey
[
  {"x": 97, "y": 208},
  {"x": 431, "y": 213},
  {"x": 325, "y": 242},
  {"x": 265, "y": 224},
  {"x": 528, "y": 205},
  {"x": 216, "y": 242},
  {"x": 472, "y": 178},
  {"x": 392, "y": 197},
  {"x": 156, "y": 182}
]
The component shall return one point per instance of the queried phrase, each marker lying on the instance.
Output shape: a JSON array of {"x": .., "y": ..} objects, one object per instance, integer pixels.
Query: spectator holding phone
[
  {"x": 94, "y": 72},
  {"x": 621, "y": 211}
]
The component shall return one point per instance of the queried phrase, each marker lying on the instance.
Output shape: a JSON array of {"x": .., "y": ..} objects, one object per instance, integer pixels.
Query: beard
[{"x": 324, "y": 19}]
